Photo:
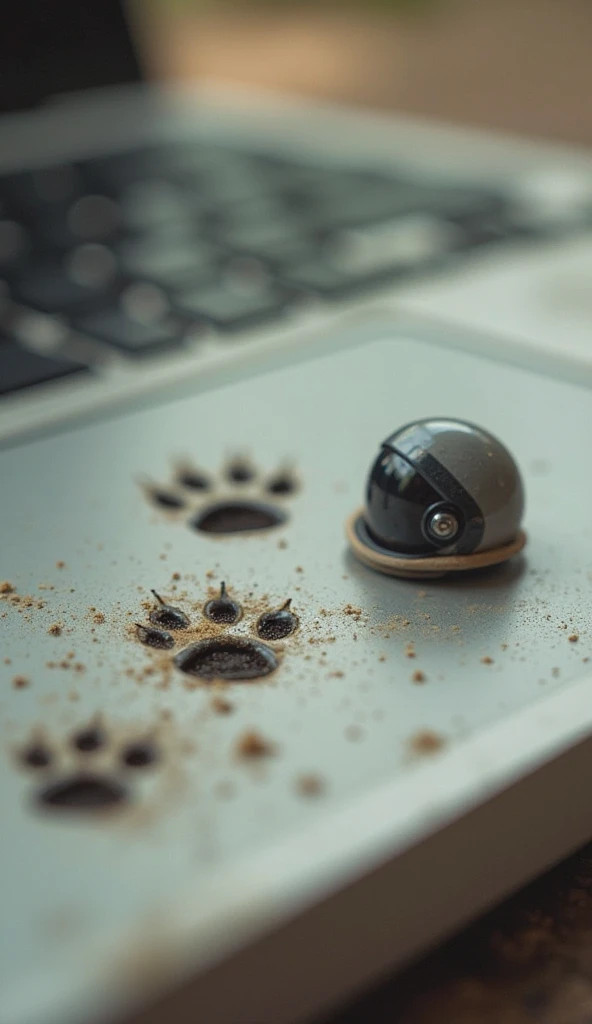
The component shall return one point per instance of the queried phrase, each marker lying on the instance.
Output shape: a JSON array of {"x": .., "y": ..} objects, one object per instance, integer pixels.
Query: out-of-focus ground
[{"x": 523, "y": 66}]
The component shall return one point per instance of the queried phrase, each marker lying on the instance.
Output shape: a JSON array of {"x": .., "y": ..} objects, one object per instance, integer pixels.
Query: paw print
[
  {"x": 88, "y": 774},
  {"x": 239, "y": 501},
  {"x": 218, "y": 651}
]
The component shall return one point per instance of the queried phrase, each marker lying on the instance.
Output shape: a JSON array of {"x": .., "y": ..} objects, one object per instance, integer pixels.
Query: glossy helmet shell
[{"x": 448, "y": 466}]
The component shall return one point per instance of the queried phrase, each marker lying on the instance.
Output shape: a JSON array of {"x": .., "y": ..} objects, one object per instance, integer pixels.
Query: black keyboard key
[
  {"x": 14, "y": 245},
  {"x": 198, "y": 154},
  {"x": 551, "y": 208},
  {"x": 251, "y": 215},
  {"x": 231, "y": 307},
  {"x": 273, "y": 242},
  {"x": 460, "y": 203},
  {"x": 92, "y": 218},
  {"x": 336, "y": 279},
  {"x": 405, "y": 244},
  {"x": 367, "y": 207},
  {"x": 482, "y": 232},
  {"x": 320, "y": 277},
  {"x": 91, "y": 265},
  {"x": 115, "y": 327},
  {"x": 32, "y": 191},
  {"x": 176, "y": 264},
  {"x": 21, "y": 368},
  {"x": 152, "y": 204},
  {"x": 28, "y": 327},
  {"x": 180, "y": 165},
  {"x": 304, "y": 185},
  {"x": 226, "y": 178},
  {"x": 114, "y": 173},
  {"x": 344, "y": 197},
  {"x": 291, "y": 175},
  {"x": 145, "y": 301},
  {"x": 51, "y": 288}
]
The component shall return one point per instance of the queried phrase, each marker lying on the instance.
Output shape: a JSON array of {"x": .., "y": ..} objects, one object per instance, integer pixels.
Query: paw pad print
[
  {"x": 221, "y": 653},
  {"x": 88, "y": 775},
  {"x": 238, "y": 501}
]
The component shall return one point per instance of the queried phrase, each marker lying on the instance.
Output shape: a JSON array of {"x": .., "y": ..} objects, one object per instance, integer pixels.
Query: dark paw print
[
  {"x": 73, "y": 778},
  {"x": 240, "y": 501},
  {"x": 220, "y": 653}
]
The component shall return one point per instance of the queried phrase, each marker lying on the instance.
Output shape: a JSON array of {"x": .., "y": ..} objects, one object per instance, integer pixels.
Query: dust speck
[
  {"x": 309, "y": 785},
  {"x": 221, "y": 705},
  {"x": 252, "y": 746},
  {"x": 427, "y": 742}
]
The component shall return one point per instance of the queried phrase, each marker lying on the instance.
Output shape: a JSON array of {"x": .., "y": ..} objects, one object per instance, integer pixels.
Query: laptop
[
  {"x": 214, "y": 305},
  {"x": 148, "y": 236}
]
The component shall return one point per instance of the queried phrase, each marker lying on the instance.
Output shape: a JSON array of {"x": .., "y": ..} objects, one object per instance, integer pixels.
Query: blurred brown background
[{"x": 518, "y": 65}]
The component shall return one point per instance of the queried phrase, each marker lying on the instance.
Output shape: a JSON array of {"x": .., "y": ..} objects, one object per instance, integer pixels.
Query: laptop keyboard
[
  {"x": 21, "y": 368},
  {"x": 140, "y": 251}
]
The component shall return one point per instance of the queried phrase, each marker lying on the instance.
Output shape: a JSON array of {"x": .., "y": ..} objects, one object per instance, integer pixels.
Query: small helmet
[{"x": 443, "y": 487}]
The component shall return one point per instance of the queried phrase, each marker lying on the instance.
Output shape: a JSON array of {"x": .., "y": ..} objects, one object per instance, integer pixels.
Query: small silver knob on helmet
[{"x": 442, "y": 526}]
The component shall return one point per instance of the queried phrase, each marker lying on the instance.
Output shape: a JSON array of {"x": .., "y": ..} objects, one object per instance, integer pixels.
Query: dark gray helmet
[{"x": 443, "y": 486}]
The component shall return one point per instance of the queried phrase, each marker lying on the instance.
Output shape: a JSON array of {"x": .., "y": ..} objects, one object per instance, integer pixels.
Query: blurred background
[{"x": 523, "y": 66}]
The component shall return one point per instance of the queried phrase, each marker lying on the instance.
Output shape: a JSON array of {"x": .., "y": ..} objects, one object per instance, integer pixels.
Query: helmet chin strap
[{"x": 464, "y": 508}]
